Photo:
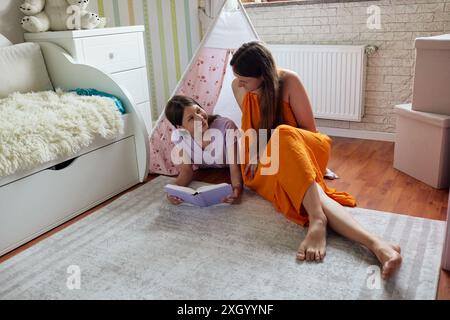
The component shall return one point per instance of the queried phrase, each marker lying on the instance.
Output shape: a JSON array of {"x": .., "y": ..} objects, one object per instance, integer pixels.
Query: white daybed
[{"x": 35, "y": 201}]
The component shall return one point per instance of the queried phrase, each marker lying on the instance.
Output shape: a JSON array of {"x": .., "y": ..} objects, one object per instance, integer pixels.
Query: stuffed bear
[
  {"x": 35, "y": 19},
  {"x": 58, "y": 15}
]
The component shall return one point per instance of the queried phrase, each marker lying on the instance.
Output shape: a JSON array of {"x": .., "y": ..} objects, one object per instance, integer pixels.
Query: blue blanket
[{"x": 94, "y": 92}]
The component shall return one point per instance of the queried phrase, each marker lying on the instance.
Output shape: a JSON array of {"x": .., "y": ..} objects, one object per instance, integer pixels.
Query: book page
[
  {"x": 190, "y": 197},
  {"x": 212, "y": 187},
  {"x": 216, "y": 195},
  {"x": 181, "y": 188}
]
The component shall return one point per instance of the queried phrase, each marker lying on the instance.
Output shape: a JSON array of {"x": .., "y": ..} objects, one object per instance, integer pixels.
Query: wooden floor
[{"x": 366, "y": 171}]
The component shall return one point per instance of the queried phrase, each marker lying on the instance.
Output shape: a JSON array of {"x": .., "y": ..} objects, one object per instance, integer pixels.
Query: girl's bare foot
[
  {"x": 389, "y": 256},
  {"x": 313, "y": 247}
]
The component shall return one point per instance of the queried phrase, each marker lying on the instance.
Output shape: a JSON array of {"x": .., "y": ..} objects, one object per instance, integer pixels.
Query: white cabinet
[{"x": 119, "y": 52}]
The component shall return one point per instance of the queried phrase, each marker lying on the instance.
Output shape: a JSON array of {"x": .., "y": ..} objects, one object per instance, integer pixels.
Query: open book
[{"x": 203, "y": 197}]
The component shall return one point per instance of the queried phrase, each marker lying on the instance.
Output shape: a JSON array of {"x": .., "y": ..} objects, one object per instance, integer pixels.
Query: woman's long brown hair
[{"x": 254, "y": 60}]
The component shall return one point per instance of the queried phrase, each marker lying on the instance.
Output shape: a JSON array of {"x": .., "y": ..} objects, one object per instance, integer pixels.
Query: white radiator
[{"x": 334, "y": 77}]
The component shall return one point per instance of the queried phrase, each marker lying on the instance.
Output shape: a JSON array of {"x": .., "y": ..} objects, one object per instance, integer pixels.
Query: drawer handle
[
  {"x": 111, "y": 55},
  {"x": 62, "y": 165}
]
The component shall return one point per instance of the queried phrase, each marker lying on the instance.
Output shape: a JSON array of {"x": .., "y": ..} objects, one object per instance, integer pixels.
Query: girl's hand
[
  {"x": 174, "y": 200},
  {"x": 235, "y": 197},
  {"x": 250, "y": 168}
]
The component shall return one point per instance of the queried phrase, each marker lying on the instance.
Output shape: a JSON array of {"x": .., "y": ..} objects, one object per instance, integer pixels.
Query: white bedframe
[{"x": 36, "y": 201}]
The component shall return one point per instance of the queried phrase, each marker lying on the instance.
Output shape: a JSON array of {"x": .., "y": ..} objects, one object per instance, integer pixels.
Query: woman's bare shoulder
[
  {"x": 291, "y": 83},
  {"x": 239, "y": 93},
  {"x": 288, "y": 76}
]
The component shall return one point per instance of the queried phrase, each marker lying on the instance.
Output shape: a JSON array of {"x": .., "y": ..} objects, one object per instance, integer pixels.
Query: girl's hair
[
  {"x": 254, "y": 60},
  {"x": 175, "y": 109}
]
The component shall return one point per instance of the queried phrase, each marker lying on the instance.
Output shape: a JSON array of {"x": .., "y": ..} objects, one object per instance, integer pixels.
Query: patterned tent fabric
[
  {"x": 203, "y": 83},
  {"x": 204, "y": 80}
]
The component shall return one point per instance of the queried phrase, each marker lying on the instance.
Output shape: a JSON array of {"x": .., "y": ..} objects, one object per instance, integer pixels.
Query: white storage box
[
  {"x": 432, "y": 76},
  {"x": 422, "y": 146},
  {"x": 446, "y": 253}
]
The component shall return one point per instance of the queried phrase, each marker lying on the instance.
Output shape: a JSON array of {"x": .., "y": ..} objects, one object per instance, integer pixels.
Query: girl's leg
[
  {"x": 343, "y": 223},
  {"x": 313, "y": 247}
]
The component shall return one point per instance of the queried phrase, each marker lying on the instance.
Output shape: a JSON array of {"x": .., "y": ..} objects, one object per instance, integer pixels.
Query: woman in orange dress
[{"x": 272, "y": 98}]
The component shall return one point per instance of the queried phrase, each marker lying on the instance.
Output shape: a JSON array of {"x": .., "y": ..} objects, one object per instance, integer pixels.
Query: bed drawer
[
  {"x": 113, "y": 53},
  {"x": 64, "y": 192}
]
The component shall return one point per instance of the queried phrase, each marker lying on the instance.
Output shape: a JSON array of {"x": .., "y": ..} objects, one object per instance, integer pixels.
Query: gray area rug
[{"x": 141, "y": 247}]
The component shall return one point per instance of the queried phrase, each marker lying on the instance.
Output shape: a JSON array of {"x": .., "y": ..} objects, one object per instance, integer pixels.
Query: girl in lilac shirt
[{"x": 202, "y": 140}]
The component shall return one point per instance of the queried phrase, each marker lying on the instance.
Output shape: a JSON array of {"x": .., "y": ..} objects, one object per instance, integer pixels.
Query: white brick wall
[{"x": 390, "y": 71}]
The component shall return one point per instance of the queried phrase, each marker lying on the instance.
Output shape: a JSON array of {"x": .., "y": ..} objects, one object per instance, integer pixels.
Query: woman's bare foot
[
  {"x": 389, "y": 256},
  {"x": 313, "y": 247}
]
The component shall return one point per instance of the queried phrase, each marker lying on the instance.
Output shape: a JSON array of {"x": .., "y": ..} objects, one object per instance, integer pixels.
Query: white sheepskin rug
[{"x": 39, "y": 127}]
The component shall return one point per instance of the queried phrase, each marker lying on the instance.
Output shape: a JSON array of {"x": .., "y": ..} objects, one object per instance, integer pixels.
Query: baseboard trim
[{"x": 358, "y": 134}]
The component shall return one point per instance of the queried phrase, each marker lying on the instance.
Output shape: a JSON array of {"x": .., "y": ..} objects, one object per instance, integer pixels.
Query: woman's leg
[
  {"x": 313, "y": 247},
  {"x": 343, "y": 223}
]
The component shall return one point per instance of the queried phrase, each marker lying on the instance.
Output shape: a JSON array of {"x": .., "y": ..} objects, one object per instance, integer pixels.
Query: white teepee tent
[{"x": 207, "y": 79}]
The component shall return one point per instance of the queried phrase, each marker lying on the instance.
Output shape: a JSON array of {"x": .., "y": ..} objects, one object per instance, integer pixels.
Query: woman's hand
[
  {"x": 174, "y": 200},
  {"x": 250, "y": 168},
  {"x": 330, "y": 175},
  {"x": 235, "y": 197}
]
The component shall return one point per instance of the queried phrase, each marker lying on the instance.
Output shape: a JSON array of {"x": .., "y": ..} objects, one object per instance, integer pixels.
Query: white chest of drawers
[{"x": 119, "y": 52}]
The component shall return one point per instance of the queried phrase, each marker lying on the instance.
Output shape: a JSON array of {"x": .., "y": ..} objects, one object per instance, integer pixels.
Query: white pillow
[
  {"x": 4, "y": 41},
  {"x": 23, "y": 69}
]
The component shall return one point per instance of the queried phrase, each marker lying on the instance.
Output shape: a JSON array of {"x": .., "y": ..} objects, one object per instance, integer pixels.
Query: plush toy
[{"x": 58, "y": 15}]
